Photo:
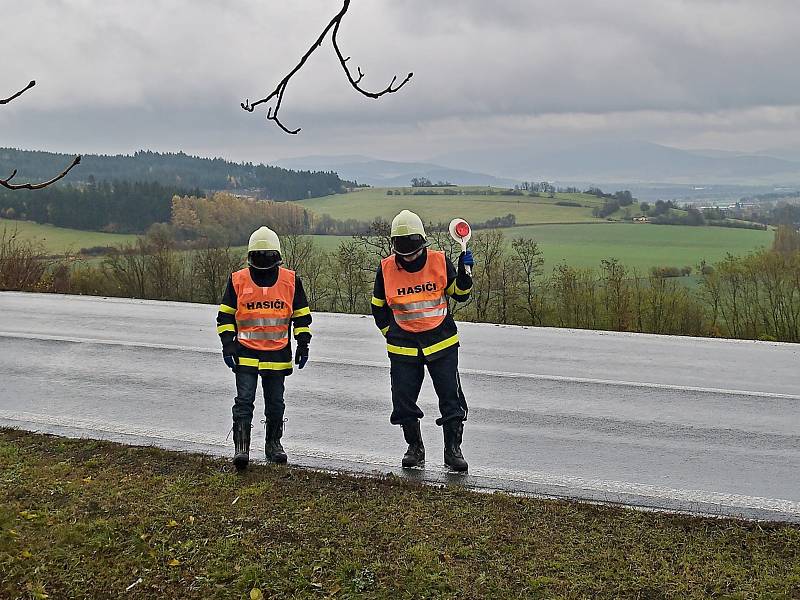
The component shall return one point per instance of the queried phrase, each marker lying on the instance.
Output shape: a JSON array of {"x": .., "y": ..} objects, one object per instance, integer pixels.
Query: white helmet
[
  {"x": 264, "y": 238},
  {"x": 408, "y": 233},
  {"x": 264, "y": 249},
  {"x": 407, "y": 223}
]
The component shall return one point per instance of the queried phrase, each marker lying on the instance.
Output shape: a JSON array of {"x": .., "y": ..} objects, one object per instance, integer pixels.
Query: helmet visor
[
  {"x": 264, "y": 259},
  {"x": 408, "y": 244}
]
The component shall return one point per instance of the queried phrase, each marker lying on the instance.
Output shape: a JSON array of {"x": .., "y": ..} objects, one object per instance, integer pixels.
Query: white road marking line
[
  {"x": 568, "y": 483},
  {"x": 385, "y": 365}
]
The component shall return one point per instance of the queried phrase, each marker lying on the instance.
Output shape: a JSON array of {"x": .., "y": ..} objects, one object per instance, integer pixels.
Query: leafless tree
[
  {"x": 378, "y": 240},
  {"x": 355, "y": 80},
  {"x": 529, "y": 265},
  {"x": 6, "y": 183},
  {"x": 23, "y": 263}
]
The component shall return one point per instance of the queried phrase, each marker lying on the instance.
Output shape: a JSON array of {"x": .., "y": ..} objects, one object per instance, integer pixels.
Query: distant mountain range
[
  {"x": 387, "y": 173},
  {"x": 565, "y": 161},
  {"x": 611, "y": 161},
  {"x": 653, "y": 169}
]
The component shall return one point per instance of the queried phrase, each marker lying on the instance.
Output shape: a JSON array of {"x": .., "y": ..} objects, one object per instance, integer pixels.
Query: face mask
[
  {"x": 410, "y": 258},
  {"x": 407, "y": 245},
  {"x": 264, "y": 259}
]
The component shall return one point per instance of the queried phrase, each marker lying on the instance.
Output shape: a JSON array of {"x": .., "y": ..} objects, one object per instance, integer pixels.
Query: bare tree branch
[
  {"x": 389, "y": 89},
  {"x": 19, "y": 93},
  {"x": 278, "y": 92},
  {"x": 6, "y": 183}
]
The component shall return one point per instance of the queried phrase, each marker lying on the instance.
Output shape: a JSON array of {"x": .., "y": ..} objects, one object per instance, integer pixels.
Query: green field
[
  {"x": 640, "y": 245},
  {"x": 365, "y": 205},
  {"x": 58, "y": 240},
  {"x": 635, "y": 245},
  {"x": 565, "y": 233}
]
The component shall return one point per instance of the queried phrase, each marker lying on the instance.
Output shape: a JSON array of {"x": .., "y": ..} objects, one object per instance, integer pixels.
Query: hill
[
  {"x": 385, "y": 173},
  {"x": 622, "y": 161},
  {"x": 469, "y": 203},
  {"x": 176, "y": 169},
  {"x": 564, "y": 226}
]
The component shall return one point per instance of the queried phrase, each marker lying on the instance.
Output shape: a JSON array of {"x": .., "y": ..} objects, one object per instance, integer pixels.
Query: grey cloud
[{"x": 130, "y": 74}]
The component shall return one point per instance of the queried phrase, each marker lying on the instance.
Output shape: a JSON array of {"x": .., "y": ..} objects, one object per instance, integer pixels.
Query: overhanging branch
[
  {"x": 19, "y": 93},
  {"x": 6, "y": 183},
  {"x": 278, "y": 92}
]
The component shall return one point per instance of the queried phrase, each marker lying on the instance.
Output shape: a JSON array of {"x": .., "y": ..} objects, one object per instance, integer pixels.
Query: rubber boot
[
  {"x": 241, "y": 443},
  {"x": 415, "y": 455},
  {"x": 272, "y": 446},
  {"x": 453, "y": 431}
]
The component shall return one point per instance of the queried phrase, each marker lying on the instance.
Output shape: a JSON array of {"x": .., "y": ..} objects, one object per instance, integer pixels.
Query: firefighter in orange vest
[
  {"x": 409, "y": 304},
  {"x": 262, "y": 305}
]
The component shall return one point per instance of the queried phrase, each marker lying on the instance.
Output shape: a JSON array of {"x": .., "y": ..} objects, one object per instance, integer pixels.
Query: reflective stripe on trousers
[{"x": 264, "y": 366}]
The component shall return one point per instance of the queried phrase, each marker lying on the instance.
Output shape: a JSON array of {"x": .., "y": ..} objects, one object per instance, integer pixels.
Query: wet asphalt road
[{"x": 672, "y": 423}]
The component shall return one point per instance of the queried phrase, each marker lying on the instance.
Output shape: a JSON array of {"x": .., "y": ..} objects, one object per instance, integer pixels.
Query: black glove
[
  {"x": 301, "y": 355},
  {"x": 230, "y": 354}
]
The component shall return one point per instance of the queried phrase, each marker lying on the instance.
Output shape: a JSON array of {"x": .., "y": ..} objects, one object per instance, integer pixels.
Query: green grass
[
  {"x": 635, "y": 245},
  {"x": 88, "y": 519},
  {"x": 58, "y": 240},
  {"x": 367, "y": 204},
  {"x": 583, "y": 241},
  {"x": 640, "y": 245}
]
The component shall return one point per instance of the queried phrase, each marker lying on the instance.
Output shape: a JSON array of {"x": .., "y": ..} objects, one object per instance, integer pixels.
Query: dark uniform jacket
[
  {"x": 426, "y": 346},
  {"x": 271, "y": 362}
]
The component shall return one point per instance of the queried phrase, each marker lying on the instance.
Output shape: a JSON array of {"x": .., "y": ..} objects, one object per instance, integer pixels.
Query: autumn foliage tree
[{"x": 225, "y": 219}]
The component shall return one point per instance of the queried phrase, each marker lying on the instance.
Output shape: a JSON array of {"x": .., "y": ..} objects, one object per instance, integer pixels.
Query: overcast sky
[{"x": 116, "y": 76}]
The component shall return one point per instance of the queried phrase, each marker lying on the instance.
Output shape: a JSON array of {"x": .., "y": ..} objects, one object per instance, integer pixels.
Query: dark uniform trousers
[
  {"x": 244, "y": 403},
  {"x": 407, "y": 379}
]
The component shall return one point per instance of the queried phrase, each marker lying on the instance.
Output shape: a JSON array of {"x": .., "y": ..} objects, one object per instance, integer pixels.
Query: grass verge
[
  {"x": 88, "y": 519},
  {"x": 59, "y": 240}
]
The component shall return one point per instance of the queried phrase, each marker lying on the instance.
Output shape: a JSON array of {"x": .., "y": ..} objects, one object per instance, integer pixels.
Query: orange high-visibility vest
[
  {"x": 418, "y": 300},
  {"x": 263, "y": 314}
]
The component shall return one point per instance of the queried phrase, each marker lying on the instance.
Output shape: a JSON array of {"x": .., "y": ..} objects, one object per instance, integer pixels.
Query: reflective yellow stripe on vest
[
  {"x": 436, "y": 312},
  {"x": 263, "y": 322},
  {"x": 262, "y": 335},
  {"x": 419, "y": 305}
]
